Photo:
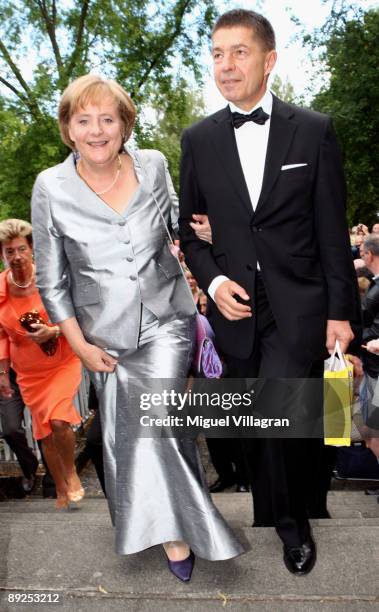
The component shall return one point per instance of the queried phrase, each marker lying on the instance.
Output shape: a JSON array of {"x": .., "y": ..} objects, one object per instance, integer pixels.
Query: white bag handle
[{"x": 337, "y": 353}]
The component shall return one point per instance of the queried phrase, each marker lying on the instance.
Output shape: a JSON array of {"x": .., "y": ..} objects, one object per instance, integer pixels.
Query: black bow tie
[{"x": 258, "y": 116}]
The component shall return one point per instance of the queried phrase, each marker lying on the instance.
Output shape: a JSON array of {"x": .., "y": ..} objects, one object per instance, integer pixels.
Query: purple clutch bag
[{"x": 207, "y": 363}]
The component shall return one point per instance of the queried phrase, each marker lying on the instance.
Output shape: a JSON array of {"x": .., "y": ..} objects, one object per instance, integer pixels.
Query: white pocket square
[{"x": 290, "y": 166}]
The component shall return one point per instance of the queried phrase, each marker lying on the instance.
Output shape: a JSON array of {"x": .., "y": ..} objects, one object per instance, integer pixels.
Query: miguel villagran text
[{"x": 207, "y": 423}]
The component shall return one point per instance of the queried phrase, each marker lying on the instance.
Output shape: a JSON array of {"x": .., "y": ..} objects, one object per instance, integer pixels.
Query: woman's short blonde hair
[
  {"x": 15, "y": 228},
  {"x": 93, "y": 89}
]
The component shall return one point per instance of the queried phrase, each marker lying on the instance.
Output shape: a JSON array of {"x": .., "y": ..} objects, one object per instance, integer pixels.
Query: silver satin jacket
[{"x": 100, "y": 266}]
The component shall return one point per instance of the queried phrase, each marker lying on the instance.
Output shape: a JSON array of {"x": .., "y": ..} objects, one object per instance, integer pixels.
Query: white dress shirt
[{"x": 251, "y": 139}]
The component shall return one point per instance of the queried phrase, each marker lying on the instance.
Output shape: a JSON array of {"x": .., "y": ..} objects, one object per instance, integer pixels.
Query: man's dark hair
[
  {"x": 371, "y": 243},
  {"x": 261, "y": 27}
]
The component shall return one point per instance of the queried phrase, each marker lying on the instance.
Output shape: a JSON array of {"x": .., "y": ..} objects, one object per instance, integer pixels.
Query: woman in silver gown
[{"x": 108, "y": 278}]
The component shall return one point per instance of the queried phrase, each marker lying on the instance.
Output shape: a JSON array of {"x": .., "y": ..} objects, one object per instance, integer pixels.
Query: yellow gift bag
[{"x": 338, "y": 398}]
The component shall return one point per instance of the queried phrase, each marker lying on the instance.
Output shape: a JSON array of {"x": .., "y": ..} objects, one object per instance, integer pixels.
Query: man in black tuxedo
[{"x": 269, "y": 176}]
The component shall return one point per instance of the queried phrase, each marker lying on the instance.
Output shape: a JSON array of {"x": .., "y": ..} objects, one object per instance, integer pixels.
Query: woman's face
[
  {"x": 17, "y": 254},
  {"x": 97, "y": 131},
  {"x": 191, "y": 281}
]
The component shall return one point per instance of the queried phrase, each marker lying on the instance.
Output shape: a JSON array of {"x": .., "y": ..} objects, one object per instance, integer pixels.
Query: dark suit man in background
[{"x": 279, "y": 271}]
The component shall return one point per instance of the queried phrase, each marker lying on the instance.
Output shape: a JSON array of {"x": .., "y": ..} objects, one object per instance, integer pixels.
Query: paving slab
[
  {"x": 81, "y": 557},
  {"x": 83, "y": 518},
  {"x": 72, "y": 552},
  {"x": 237, "y": 507},
  {"x": 98, "y": 602}
]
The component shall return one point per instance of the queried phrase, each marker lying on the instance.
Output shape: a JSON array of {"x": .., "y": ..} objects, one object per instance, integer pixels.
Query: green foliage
[
  {"x": 284, "y": 91},
  {"x": 183, "y": 108},
  {"x": 351, "y": 57},
  {"x": 143, "y": 45},
  {"x": 25, "y": 149}
]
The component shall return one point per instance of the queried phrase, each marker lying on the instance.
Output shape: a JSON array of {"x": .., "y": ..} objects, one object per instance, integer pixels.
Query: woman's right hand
[
  {"x": 6, "y": 390},
  {"x": 95, "y": 359},
  {"x": 202, "y": 228}
]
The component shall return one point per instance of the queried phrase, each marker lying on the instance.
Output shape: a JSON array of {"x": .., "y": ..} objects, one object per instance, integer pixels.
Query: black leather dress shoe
[
  {"x": 28, "y": 484},
  {"x": 300, "y": 560},
  {"x": 221, "y": 485}
]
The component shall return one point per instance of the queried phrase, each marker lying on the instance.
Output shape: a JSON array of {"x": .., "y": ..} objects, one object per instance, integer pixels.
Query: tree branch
[
  {"x": 28, "y": 99},
  {"x": 50, "y": 24},
  {"x": 164, "y": 48},
  {"x": 16, "y": 91},
  {"x": 79, "y": 38}
]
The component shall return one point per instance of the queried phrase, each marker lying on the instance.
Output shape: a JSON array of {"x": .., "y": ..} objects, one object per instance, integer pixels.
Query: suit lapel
[
  {"x": 282, "y": 130},
  {"x": 224, "y": 143},
  {"x": 143, "y": 162}
]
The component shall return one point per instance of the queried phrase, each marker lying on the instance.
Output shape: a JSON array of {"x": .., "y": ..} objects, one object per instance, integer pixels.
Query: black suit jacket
[
  {"x": 370, "y": 311},
  {"x": 298, "y": 232}
]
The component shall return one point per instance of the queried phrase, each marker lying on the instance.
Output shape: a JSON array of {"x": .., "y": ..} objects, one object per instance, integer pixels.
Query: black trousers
[
  {"x": 12, "y": 415},
  {"x": 289, "y": 477},
  {"x": 228, "y": 460}
]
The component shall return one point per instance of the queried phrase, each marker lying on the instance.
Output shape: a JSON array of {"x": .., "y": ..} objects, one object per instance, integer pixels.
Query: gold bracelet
[{"x": 4, "y": 372}]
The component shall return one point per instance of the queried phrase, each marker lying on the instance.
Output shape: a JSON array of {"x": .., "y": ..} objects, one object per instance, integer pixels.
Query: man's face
[
  {"x": 368, "y": 258},
  {"x": 240, "y": 65}
]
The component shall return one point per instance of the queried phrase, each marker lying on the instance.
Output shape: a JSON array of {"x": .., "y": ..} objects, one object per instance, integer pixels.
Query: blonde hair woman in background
[{"x": 48, "y": 372}]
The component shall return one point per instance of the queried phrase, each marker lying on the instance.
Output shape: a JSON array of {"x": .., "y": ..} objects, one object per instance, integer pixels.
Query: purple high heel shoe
[{"x": 182, "y": 569}]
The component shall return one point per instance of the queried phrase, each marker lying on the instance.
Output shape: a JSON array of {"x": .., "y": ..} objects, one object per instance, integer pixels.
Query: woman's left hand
[
  {"x": 357, "y": 363},
  {"x": 201, "y": 227},
  {"x": 43, "y": 333}
]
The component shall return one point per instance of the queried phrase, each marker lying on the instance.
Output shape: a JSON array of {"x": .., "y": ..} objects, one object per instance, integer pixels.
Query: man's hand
[
  {"x": 95, "y": 359},
  {"x": 6, "y": 390},
  {"x": 202, "y": 228},
  {"x": 363, "y": 228},
  {"x": 338, "y": 330},
  {"x": 228, "y": 305}
]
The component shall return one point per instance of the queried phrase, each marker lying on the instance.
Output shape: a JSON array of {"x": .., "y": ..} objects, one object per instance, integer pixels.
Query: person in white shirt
[{"x": 278, "y": 270}]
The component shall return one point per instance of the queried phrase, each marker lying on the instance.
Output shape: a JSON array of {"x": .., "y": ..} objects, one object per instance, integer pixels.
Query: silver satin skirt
[{"x": 156, "y": 487}]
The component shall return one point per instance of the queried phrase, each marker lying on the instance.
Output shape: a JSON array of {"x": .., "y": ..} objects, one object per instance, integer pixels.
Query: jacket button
[
  {"x": 129, "y": 258},
  {"x": 132, "y": 277},
  {"x": 126, "y": 241},
  {"x": 254, "y": 228},
  {"x": 122, "y": 222}
]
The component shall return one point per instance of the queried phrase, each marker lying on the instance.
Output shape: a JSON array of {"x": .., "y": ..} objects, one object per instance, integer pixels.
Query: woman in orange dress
[{"x": 48, "y": 372}]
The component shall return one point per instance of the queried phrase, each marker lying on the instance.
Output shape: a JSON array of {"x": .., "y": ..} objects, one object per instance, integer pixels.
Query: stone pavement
[{"x": 71, "y": 553}]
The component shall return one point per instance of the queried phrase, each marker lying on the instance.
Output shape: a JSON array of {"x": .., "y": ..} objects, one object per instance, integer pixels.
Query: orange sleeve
[{"x": 4, "y": 344}]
